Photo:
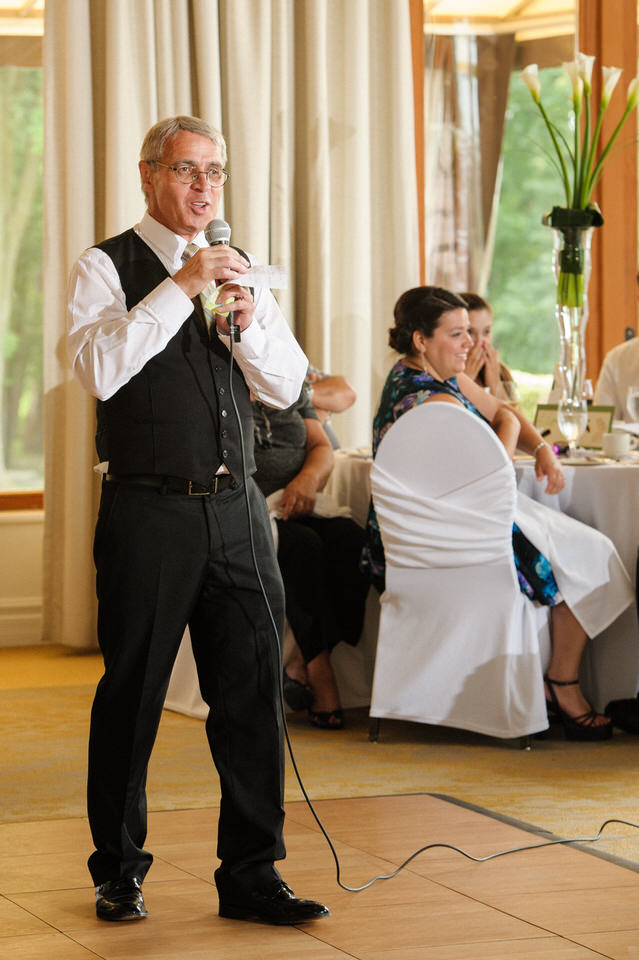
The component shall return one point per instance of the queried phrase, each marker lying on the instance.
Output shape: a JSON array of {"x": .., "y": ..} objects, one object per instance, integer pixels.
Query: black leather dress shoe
[
  {"x": 275, "y": 904},
  {"x": 120, "y": 900}
]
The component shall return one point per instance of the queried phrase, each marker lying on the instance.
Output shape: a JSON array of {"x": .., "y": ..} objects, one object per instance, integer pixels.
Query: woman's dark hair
[
  {"x": 475, "y": 302},
  {"x": 420, "y": 309}
]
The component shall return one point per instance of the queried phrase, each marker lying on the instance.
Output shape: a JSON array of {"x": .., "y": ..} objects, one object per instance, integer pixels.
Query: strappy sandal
[
  {"x": 326, "y": 719},
  {"x": 575, "y": 728}
]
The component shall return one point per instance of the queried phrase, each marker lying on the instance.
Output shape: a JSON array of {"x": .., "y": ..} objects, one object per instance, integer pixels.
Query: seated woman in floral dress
[{"x": 431, "y": 332}]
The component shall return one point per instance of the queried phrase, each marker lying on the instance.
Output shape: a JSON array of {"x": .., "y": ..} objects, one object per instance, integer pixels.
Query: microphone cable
[
  {"x": 278, "y": 650},
  {"x": 282, "y": 710}
]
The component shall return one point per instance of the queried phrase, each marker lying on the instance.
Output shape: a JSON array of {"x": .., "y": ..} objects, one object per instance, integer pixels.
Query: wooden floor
[{"x": 543, "y": 904}]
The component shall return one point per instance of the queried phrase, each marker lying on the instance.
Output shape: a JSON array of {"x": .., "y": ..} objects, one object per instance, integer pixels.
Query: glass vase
[{"x": 572, "y": 237}]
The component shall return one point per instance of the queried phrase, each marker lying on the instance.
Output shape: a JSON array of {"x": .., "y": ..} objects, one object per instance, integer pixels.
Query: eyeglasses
[{"x": 188, "y": 173}]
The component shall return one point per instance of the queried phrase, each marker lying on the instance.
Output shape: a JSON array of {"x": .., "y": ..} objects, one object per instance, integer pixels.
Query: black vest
[{"x": 175, "y": 417}]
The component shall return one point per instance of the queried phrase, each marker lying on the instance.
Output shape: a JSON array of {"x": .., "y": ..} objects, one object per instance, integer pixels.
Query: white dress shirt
[
  {"x": 619, "y": 371},
  {"x": 108, "y": 344}
]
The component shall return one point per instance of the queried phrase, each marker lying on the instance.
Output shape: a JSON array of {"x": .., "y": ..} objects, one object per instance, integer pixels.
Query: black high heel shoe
[
  {"x": 296, "y": 694},
  {"x": 575, "y": 728}
]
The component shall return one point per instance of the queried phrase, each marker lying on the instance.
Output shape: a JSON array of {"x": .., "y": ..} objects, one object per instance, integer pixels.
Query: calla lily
[
  {"x": 610, "y": 78},
  {"x": 581, "y": 164},
  {"x": 585, "y": 64},
  {"x": 530, "y": 76},
  {"x": 572, "y": 69},
  {"x": 577, "y": 84}
]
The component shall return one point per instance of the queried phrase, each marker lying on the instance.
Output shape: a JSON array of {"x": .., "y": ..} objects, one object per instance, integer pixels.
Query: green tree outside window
[
  {"x": 21, "y": 116},
  {"x": 521, "y": 288}
]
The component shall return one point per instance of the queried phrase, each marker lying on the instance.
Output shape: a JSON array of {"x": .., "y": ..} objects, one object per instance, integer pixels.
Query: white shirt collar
[{"x": 168, "y": 246}]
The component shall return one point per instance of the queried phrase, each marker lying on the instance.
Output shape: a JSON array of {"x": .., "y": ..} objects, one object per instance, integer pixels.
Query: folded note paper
[{"x": 264, "y": 276}]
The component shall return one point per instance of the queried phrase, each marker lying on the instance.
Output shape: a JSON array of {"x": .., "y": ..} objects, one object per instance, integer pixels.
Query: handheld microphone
[{"x": 218, "y": 231}]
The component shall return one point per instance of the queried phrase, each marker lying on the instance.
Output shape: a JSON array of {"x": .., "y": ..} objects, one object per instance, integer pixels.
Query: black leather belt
[{"x": 176, "y": 484}]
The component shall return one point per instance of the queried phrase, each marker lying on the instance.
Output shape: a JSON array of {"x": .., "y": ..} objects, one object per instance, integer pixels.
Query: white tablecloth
[
  {"x": 605, "y": 496},
  {"x": 350, "y": 484}
]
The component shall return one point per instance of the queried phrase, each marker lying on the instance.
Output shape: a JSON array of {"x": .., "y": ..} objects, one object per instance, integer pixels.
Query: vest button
[
  {"x": 222, "y": 391},
  {"x": 225, "y": 454},
  {"x": 224, "y": 434},
  {"x": 218, "y": 369},
  {"x": 224, "y": 413}
]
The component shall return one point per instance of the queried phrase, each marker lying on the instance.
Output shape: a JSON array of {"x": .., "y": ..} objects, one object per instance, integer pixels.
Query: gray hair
[{"x": 162, "y": 131}]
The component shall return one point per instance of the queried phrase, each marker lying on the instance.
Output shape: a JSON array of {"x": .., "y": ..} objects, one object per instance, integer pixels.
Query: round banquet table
[{"x": 605, "y": 495}]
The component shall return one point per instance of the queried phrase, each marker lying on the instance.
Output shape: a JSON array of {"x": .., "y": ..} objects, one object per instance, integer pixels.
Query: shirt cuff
[
  {"x": 168, "y": 300},
  {"x": 253, "y": 341}
]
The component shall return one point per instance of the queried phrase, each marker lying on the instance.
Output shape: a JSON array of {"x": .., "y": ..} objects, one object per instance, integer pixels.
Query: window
[
  {"x": 487, "y": 179},
  {"x": 21, "y": 303},
  {"x": 521, "y": 286}
]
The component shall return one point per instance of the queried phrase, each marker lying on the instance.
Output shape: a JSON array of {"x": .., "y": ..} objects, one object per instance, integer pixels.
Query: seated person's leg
[
  {"x": 303, "y": 563},
  {"x": 562, "y": 686},
  {"x": 347, "y": 587}
]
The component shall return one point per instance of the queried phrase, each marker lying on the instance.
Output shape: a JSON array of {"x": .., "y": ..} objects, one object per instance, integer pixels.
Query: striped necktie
[{"x": 209, "y": 294}]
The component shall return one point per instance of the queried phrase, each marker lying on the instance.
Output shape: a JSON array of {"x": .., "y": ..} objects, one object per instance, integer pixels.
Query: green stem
[
  {"x": 579, "y": 173},
  {"x": 570, "y": 289},
  {"x": 591, "y": 157},
  {"x": 562, "y": 164},
  {"x": 575, "y": 159},
  {"x": 596, "y": 173}
]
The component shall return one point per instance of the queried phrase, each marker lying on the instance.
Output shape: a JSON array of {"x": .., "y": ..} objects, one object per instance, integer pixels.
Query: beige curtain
[
  {"x": 315, "y": 100},
  {"x": 467, "y": 82},
  {"x": 320, "y": 128}
]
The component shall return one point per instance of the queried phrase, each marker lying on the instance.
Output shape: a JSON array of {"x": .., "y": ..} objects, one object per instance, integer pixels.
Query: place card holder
[{"x": 599, "y": 422}]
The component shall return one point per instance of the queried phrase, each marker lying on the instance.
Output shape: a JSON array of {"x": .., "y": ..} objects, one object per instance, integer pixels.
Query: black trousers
[
  {"x": 325, "y": 590},
  {"x": 165, "y": 560}
]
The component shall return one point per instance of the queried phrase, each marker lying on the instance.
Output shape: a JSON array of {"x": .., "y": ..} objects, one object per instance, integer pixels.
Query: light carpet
[{"x": 566, "y": 789}]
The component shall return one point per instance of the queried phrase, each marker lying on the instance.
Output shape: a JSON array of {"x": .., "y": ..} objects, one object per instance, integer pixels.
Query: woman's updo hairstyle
[
  {"x": 420, "y": 309},
  {"x": 475, "y": 302}
]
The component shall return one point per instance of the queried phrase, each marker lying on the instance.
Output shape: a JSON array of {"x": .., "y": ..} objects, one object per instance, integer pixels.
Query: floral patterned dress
[{"x": 404, "y": 389}]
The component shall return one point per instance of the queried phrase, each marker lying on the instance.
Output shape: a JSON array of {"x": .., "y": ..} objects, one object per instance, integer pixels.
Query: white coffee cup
[{"x": 615, "y": 444}]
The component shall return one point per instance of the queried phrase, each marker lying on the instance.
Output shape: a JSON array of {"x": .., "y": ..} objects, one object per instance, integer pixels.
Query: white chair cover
[{"x": 459, "y": 644}]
